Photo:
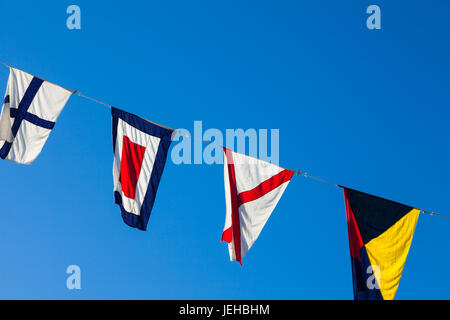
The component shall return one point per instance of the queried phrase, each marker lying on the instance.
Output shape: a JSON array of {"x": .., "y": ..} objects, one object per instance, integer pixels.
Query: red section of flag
[
  {"x": 227, "y": 235},
  {"x": 130, "y": 166},
  {"x": 354, "y": 237},
  {"x": 233, "y": 234},
  {"x": 235, "y": 220},
  {"x": 265, "y": 187}
]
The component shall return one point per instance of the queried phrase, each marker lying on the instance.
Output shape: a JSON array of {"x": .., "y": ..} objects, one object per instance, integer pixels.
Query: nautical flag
[
  {"x": 252, "y": 190},
  {"x": 380, "y": 232},
  {"x": 30, "y": 109},
  {"x": 140, "y": 151}
]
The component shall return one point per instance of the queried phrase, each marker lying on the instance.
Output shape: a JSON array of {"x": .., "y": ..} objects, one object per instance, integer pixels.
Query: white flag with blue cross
[{"x": 30, "y": 109}]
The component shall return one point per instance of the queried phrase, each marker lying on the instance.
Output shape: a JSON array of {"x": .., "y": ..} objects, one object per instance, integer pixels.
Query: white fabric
[
  {"x": 228, "y": 207},
  {"x": 151, "y": 144},
  {"x": 250, "y": 172},
  {"x": 47, "y": 104},
  {"x": 5, "y": 122},
  {"x": 253, "y": 215}
]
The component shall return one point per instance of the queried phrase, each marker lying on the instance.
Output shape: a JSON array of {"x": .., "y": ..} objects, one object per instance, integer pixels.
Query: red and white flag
[{"x": 253, "y": 188}]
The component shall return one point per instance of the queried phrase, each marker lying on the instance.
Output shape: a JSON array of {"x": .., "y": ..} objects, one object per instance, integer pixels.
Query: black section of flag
[{"x": 374, "y": 215}]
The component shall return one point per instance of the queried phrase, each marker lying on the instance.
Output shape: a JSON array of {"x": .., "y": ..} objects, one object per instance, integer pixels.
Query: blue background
[{"x": 366, "y": 109}]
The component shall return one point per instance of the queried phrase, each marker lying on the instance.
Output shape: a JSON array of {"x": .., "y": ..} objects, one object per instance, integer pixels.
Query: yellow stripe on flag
[{"x": 389, "y": 251}]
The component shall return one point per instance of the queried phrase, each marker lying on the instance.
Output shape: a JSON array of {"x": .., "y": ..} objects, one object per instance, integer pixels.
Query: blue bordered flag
[
  {"x": 30, "y": 109},
  {"x": 140, "y": 152}
]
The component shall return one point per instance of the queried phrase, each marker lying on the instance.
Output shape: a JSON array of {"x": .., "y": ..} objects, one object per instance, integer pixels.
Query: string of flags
[{"x": 380, "y": 231}]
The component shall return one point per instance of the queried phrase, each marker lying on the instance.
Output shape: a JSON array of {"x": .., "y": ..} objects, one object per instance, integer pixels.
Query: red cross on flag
[{"x": 253, "y": 188}]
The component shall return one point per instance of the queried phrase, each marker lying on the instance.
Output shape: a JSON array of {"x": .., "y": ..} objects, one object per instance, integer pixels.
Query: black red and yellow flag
[{"x": 380, "y": 232}]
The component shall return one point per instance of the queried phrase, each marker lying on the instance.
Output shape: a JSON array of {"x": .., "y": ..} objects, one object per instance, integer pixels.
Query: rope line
[
  {"x": 306, "y": 175},
  {"x": 180, "y": 132}
]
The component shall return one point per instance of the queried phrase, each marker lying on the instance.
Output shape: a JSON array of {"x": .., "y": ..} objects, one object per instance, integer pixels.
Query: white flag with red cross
[{"x": 253, "y": 188}]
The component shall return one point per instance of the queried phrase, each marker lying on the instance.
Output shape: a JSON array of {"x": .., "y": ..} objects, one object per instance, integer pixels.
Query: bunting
[
  {"x": 30, "y": 109},
  {"x": 380, "y": 233},
  {"x": 140, "y": 151},
  {"x": 253, "y": 188}
]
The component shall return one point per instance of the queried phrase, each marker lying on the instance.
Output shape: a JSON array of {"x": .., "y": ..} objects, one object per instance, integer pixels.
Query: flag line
[{"x": 298, "y": 172}]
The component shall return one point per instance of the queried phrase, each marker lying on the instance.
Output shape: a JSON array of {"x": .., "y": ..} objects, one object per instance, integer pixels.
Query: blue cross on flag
[
  {"x": 140, "y": 152},
  {"x": 30, "y": 109}
]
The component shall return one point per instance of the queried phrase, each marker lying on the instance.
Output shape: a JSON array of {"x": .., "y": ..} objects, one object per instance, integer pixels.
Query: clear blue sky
[{"x": 366, "y": 109}]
